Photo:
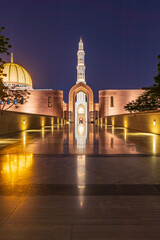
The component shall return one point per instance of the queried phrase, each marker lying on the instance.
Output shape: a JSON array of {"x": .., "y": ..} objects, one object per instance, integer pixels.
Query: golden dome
[{"x": 17, "y": 76}]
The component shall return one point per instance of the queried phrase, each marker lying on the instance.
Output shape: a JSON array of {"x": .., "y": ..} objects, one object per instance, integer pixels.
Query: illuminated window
[
  {"x": 49, "y": 102},
  {"x": 15, "y": 101},
  {"x": 112, "y": 101},
  {"x": 1, "y": 102},
  {"x": 8, "y": 101}
]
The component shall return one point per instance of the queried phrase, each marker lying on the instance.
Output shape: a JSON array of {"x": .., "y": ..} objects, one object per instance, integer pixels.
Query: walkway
[{"x": 93, "y": 183}]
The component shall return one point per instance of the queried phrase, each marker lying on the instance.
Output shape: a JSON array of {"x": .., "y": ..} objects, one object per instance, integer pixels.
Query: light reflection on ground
[{"x": 81, "y": 139}]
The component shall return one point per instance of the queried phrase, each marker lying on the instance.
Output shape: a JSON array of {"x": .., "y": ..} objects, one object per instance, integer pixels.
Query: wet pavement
[{"x": 84, "y": 182}]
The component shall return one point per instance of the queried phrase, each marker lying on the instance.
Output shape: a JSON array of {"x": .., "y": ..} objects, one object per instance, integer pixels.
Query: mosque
[{"x": 80, "y": 108}]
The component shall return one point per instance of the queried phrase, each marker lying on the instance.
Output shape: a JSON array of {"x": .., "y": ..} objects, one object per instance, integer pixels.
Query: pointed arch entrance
[{"x": 75, "y": 108}]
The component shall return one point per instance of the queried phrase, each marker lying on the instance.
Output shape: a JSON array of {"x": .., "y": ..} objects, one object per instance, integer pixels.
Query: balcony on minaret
[{"x": 80, "y": 63}]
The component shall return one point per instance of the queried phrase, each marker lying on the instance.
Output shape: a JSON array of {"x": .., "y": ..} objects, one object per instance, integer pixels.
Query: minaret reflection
[{"x": 81, "y": 138}]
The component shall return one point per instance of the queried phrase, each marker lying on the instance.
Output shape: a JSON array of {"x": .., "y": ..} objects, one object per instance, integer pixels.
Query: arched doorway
[
  {"x": 80, "y": 108},
  {"x": 80, "y": 99}
]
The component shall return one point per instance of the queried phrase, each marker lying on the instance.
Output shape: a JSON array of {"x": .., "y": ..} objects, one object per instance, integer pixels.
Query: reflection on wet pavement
[
  {"x": 78, "y": 176},
  {"x": 81, "y": 139}
]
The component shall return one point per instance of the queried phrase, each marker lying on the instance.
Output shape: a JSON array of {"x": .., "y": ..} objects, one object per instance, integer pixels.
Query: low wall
[
  {"x": 11, "y": 122},
  {"x": 144, "y": 122}
]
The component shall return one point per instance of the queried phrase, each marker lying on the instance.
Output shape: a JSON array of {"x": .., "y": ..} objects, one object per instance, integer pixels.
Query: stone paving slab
[
  {"x": 35, "y": 232},
  {"x": 8, "y": 204},
  {"x": 115, "y": 232}
]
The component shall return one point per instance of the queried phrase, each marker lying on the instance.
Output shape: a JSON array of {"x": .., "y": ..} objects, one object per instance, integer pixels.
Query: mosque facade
[{"x": 80, "y": 108}]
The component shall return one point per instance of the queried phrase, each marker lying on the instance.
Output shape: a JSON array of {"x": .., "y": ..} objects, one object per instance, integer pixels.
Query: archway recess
[{"x": 80, "y": 87}]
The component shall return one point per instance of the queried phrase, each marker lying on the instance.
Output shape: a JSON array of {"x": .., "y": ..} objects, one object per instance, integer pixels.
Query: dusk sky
[{"x": 121, "y": 41}]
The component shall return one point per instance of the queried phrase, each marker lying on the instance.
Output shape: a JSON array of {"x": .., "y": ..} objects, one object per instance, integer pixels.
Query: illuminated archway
[{"x": 80, "y": 87}]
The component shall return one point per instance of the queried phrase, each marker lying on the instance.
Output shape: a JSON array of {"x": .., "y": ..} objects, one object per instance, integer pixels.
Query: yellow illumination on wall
[
  {"x": 105, "y": 120},
  {"x": 125, "y": 123},
  {"x": 42, "y": 123},
  {"x": 154, "y": 122},
  {"x": 24, "y": 122}
]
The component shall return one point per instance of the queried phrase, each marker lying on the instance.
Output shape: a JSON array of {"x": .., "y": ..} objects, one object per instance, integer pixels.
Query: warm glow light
[
  {"x": 16, "y": 74},
  {"x": 24, "y": 138},
  {"x": 42, "y": 124},
  {"x": 24, "y": 122},
  {"x": 81, "y": 161},
  {"x": 154, "y": 143},
  {"x": 81, "y": 110},
  {"x": 154, "y": 122},
  {"x": 125, "y": 134},
  {"x": 15, "y": 165},
  {"x": 81, "y": 129},
  {"x": 42, "y": 134}
]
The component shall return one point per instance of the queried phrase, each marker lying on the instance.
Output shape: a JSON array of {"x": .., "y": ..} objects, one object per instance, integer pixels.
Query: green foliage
[
  {"x": 145, "y": 102},
  {"x": 4, "y": 49},
  {"x": 150, "y": 99}
]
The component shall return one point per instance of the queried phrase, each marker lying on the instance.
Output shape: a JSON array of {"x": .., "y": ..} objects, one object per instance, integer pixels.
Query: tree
[
  {"x": 9, "y": 97},
  {"x": 4, "y": 49},
  {"x": 150, "y": 99},
  {"x": 155, "y": 89},
  {"x": 145, "y": 102}
]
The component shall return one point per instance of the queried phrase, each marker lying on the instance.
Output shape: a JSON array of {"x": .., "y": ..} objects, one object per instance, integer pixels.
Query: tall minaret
[{"x": 80, "y": 66}]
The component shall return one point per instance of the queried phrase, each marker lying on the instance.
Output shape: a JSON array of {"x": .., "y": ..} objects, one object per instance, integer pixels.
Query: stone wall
[
  {"x": 144, "y": 122},
  {"x": 120, "y": 99},
  {"x": 11, "y": 122},
  {"x": 37, "y": 103}
]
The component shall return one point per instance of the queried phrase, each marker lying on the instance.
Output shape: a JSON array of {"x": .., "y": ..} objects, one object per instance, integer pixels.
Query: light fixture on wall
[
  {"x": 24, "y": 122},
  {"x": 154, "y": 122}
]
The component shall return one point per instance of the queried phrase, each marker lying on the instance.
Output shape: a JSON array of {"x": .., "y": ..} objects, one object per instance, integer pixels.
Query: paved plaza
[{"x": 80, "y": 182}]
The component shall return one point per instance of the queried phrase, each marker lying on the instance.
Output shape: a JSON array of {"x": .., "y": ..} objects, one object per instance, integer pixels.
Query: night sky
[{"x": 121, "y": 41}]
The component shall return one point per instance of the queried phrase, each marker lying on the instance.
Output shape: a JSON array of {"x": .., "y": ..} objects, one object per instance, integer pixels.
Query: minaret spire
[{"x": 80, "y": 65}]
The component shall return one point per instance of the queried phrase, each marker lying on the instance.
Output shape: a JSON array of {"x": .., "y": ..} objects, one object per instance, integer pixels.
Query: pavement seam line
[{"x": 13, "y": 211}]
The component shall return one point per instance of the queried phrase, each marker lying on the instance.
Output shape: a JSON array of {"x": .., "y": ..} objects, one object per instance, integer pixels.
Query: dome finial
[{"x": 11, "y": 57}]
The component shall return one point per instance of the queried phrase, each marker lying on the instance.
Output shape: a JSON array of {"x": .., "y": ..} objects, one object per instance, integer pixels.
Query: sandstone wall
[
  {"x": 120, "y": 99},
  {"x": 37, "y": 103},
  {"x": 144, "y": 122},
  {"x": 11, "y": 122}
]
